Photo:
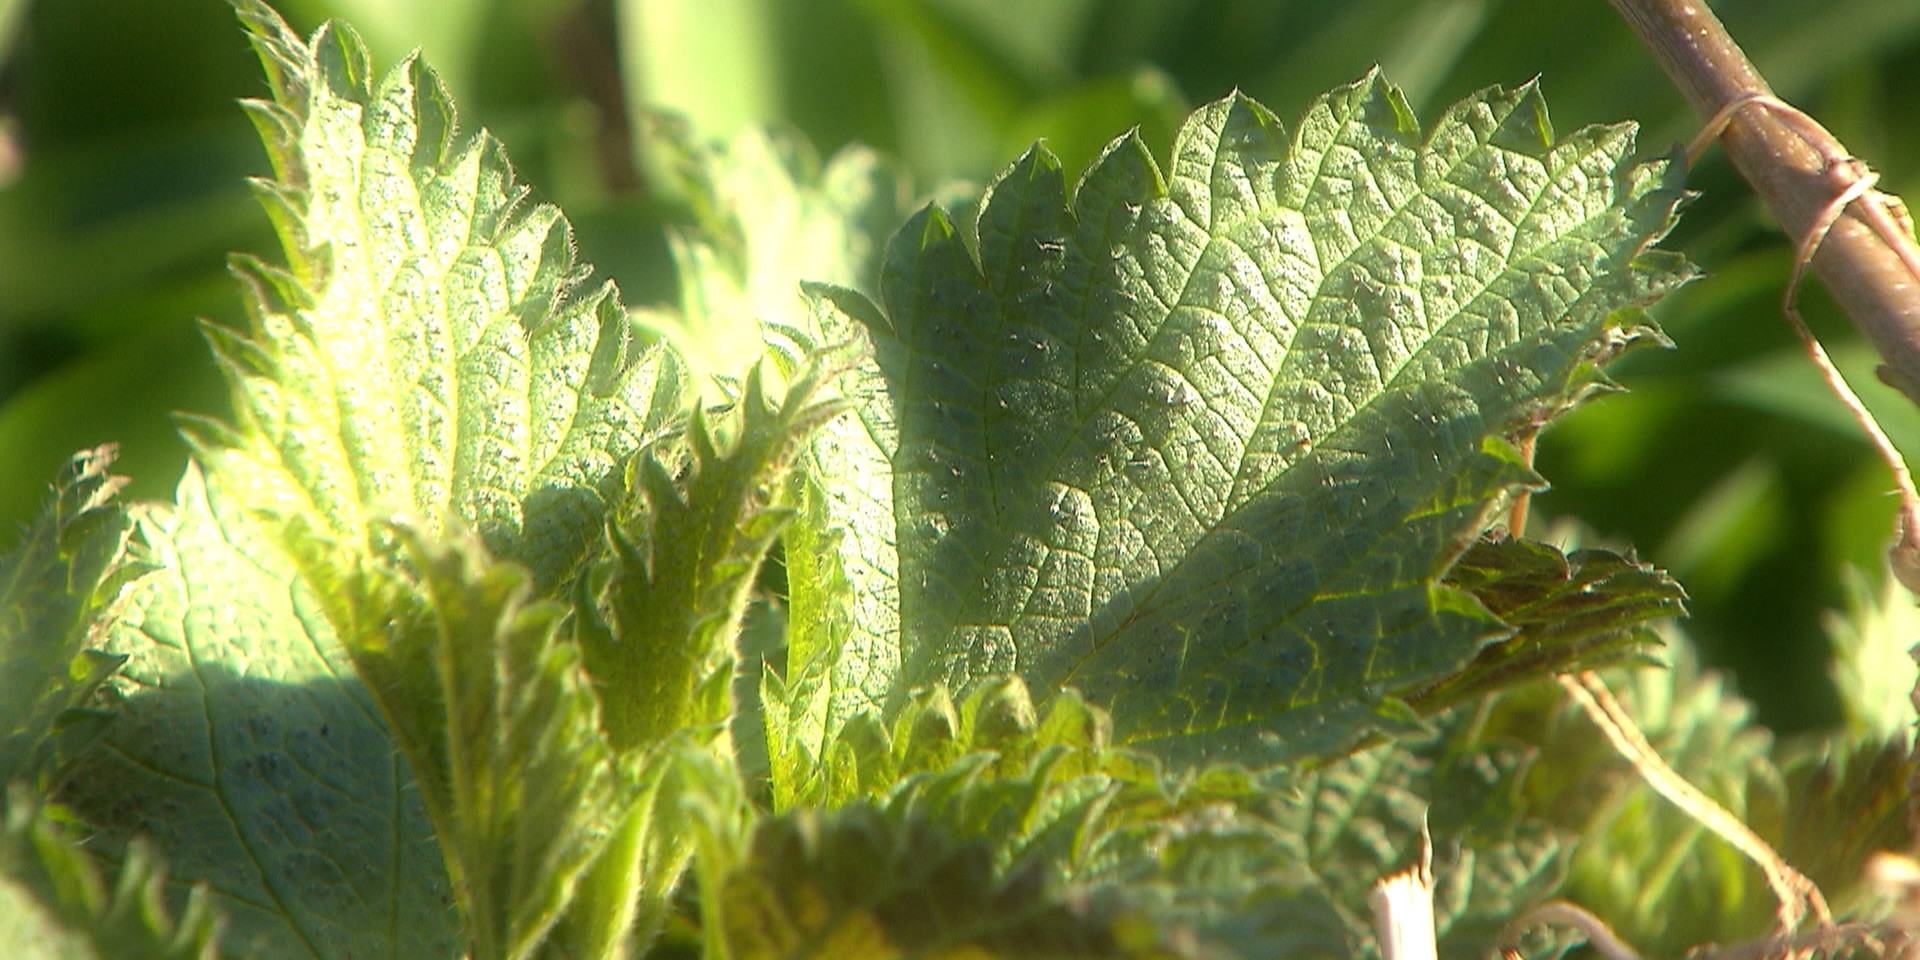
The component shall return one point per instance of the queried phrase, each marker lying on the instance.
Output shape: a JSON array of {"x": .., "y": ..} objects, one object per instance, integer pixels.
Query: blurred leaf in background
[
  {"x": 1725, "y": 462},
  {"x": 115, "y": 229}
]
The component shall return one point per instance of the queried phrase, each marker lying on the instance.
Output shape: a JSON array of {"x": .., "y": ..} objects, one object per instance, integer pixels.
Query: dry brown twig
[
  {"x": 1862, "y": 243},
  {"x": 1796, "y": 894},
  {"x": 1853, "y": 182},
  {"x": 1858, "y": 239}
]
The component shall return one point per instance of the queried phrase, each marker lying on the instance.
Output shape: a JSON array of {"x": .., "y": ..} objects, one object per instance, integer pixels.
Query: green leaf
[
  {"x": 1844, "y": 803},
  {"x": 843, "y": 568},
  {"x": 425, "y": 366},
  {"x": 684, "y": 562},
  {"x": 624, "y": 900},
  {"x": 69, "y": 566},
  {"x": 547, "y": 761},
  {"x": 1203, "y": 446},
  {"x": 514, "y": 772},
  {"x": 1579, "y": 611},
  {"x": 937, "y": 748},
  {"x": 54, "y": 903},
  {"x": 1245, "y": 865},
  {"x": 1659, "y": 878},
  {"x": 429, "y": 349},
  {"x": 863, "y": 885},
  {"x": 1873, "y": 665},
  {"x": 1046, "y": 789},
  {"x": 770, "y": 215},
  {"x": 772, "y": 221},
  {"x": 1658, "y": 875},
  {"x": 1286, "y": 871},
  {"x": 1249, "y": 865},
  {"x": 244, "y": 751},
  {"x": 1663, "y": 882}
]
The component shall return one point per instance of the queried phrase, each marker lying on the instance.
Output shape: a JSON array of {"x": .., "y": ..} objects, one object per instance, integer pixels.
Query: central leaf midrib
[{"x": 1366, "y": 242}]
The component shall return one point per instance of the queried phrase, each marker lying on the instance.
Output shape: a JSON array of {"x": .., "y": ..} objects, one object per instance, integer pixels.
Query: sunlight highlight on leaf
[{"x": 431, "y": 347}]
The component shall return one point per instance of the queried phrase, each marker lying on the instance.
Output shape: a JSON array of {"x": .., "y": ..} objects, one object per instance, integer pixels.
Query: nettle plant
[{"x": 1143, "y": 589}]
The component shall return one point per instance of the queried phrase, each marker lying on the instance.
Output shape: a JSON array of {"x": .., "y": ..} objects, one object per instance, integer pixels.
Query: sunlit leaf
[
  {"x": 430, "y": 347},
  {"x": 1203, "y": 445}
]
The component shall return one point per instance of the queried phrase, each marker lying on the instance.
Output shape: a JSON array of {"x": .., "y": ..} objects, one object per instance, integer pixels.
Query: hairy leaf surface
[
  {"x": 495, "y": 715},
  {"x": 1203, "y": 444},
  {"x": 684, "y": 563},
  {"x": 429, "y": 347}
]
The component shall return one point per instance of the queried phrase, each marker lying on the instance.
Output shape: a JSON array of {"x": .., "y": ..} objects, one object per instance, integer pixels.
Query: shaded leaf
[
  {"x": 1224, "y": 862},
  {"x": 246, "y": 753},
  {"x": 1843, "y": 803},
  {"x": 1659, "y": 878},
  {"x": 861, "y": 885},
  {"x": 1579, "y": 611},
  {"x": 1287, "y": 871},
  {"x": 1663, "y": 882}
]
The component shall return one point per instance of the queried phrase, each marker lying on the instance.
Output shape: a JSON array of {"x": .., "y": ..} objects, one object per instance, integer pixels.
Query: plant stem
[
  {"x": 1796, "y": 894},
  {"x": 1869, "y": 260},
  {"x": 1859, "y": 240}
]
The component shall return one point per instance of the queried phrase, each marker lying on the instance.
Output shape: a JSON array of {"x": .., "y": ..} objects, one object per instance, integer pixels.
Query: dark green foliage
[
  {"x": 864, "y": 886},
  {"x": 1569, "y": 612}
]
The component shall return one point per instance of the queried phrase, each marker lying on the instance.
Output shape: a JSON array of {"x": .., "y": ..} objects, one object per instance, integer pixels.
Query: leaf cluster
[{"x": 1143, "y": 587}]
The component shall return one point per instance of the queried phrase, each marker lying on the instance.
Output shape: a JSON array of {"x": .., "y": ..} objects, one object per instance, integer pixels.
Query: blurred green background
[{"x": 122, "y": 189}]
